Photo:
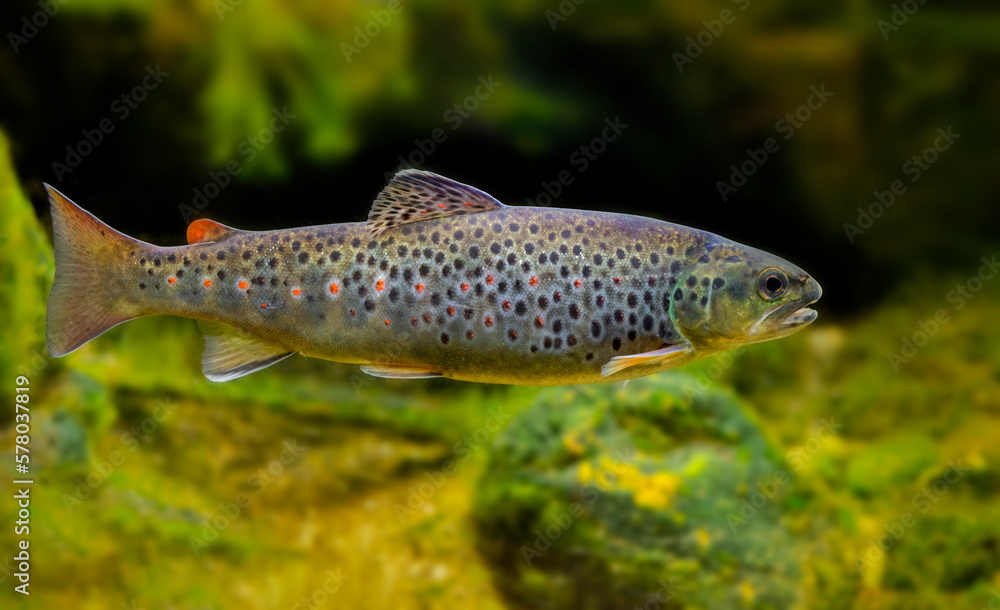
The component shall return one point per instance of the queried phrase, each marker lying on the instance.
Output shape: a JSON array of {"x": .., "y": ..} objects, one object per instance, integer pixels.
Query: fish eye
[{"x": 772, "y": 283}]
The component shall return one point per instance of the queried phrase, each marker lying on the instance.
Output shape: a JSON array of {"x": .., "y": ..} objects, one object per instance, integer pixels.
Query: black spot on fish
[
  {"x": 599, "y": 300},
  {"x": 533, "y": 228},
  {"x": 408, "y": 275},
  {"x": 718, "y": 283},
  {"x": 647, "y": 323},
  {"x": 360, "y": 258},
  {"x": 619, "y": 315},
  {"x": 574, "y": 311},
  {"x": 357, "y": 276},
  {"x": 495, "y": 248},
  {"x": 564, "y": 271},
  {"x": 577, "y": 250},
  {"x": 502, "y": 287},
  {"x": 571, "y": 340},
  {"x": 704, "y": 301},
  {"x": 393, "y": 295},
  {"x": 296, "y": 245},
  {"x": 556, "y": 296},
  {"x": 543, "y": 258},
  {"x": 691, "y": 281},
  {"x": 678, "y": 295},
  {"x": 543, "y": 302},
  {"x": 547, "y": 343},
  {"x": 303, "y": 258},
  {"x": 616, "y": 344},
  {"x": 445, "y": 338},
  {"x": 424, "y": 270},
  {"x": 557, "y": 326},
  {"x": 704, "y": 282},
  {"x": 511, "y": 259},
  {"x": 632, "y": 300},
  {"x": 595, "y": 328},
  {"x": 203, "y": 256},
  {"x": 635, "y": 263},
  {"x": 529, "y": 248},
  {"x": 274, "y": 282},
  {"x": 459, "y": 264},
  {"x": 369, "y": 305},
  {"x": 586, "y": 271},
  {"x": 402, "y": 250},
  {"x": 221, "y": 274},
  {"x": 362, "y": 291},
  {"x": 648, "y": 297},
  {"x": 180, "y": 273},
  {"x": 478, "y": 232},
  {"x": 508, "y": 242},
  {"x": 435, "y": 299},
  {"x": 554, "y": 258},
  {"x": 157, "y": 261},
  {"x": 632, "y": 335},
  {"x": 512, "y": 334},
  {"x": 439, "y": 258},
  {"x": 566, "y": 233},
  {"x": 501, "y": 266},
  {"x": 453, "y": 248},
  {"x": 334, "y": 257},
  {"x": 598, "y": 259},
  {"x": 357, "y": 242},
  {"x": 703, "y": 259},
  {"x": 514, "y": 226},
  {"x": 598, "y": 284},
  {"x": 141, "y": 286},
  {"x": 497, "y": 227},
  {"x": 632, "y": 318},
  {"x": 654, "y": 258},
  {"x": 521, "y": 308},
  {"x": 474, "y": 252},
  {"x": 590, "y": 356}
]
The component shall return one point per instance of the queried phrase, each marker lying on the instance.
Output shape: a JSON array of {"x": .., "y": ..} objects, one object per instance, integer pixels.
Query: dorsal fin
[
  {"x": 413, "y": 195},
  {"x": 204, "y": 230}
]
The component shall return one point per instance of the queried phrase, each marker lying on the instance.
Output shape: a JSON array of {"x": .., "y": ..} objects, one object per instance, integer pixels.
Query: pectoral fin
[
  {"x": 231, "y": 352},
  {"x": 400, "y": 371},
  {"x": 669, "y": 352}
]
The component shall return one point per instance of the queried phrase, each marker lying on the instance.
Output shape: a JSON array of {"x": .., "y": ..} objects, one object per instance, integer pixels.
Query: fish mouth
[{"x": 784, "y": 320}]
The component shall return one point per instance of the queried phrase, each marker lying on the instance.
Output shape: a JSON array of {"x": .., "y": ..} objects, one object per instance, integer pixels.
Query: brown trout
[{"x": 441, "y": 281}]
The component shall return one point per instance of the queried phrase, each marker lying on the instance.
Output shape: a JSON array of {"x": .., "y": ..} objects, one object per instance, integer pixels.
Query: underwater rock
[{"x": 659, "y": 494}]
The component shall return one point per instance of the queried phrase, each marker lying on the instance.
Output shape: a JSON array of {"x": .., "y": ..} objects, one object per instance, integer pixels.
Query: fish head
[{"x": 742, "y": 295}]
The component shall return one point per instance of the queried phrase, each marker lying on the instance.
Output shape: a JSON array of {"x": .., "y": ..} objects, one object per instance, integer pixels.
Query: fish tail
[{"x": 81, "y": 306}]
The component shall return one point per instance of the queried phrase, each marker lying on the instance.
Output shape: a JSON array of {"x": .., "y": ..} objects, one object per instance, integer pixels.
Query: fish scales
[{"x": 517, "y": 295}]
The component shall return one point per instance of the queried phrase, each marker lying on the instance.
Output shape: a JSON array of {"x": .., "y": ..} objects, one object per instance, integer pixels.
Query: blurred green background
[{"x": 853, "y": 465}]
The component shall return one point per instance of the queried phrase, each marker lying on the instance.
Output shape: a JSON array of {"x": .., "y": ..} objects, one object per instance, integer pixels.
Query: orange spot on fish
[
  {"x": 618, "y": 281},
  {"x": 489, "y": 279},
  {"x": 488, "y": 321},
  {"x": 296, "y": 291},
  {"x": 264, "y": 305},
  {"x": 334, "y": 289},
  {"x": 413, "y": 321},
  {"x": 506, "y": 305},
  {"x": 208, "y": 283},
  {"x": 388, "y": 323},
  {"x": 465, "y": 286},
  {"x": 380, "y": 285},
  {"x": 469, "y": 334},
  {"x": 451, "y": 310},
  {"x": 534, "y": 280},
  {"x": 423, "y": 211},
  {"x": 427, "y": 318},
  {"x": 242, "y": 285},
  {"x": 419, "y": 287},
  {"x": 539, "y": 322},
  {"x": 467, "y": 204},
  {"x": 576, "y": 283},
  {"x": 442, "y": 206},
  {"x": 354, "y": 314},
  {"x": 171, "y": 280}
]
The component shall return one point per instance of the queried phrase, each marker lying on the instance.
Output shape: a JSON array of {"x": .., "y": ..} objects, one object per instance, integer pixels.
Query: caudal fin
[{"x": 80, "y": 306}]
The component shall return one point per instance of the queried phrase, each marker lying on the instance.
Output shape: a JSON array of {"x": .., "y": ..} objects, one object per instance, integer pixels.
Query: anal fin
[
  {"x": 620, "y": 363},
  {"x": 400, "y": 371},
  {"x": 231, "y": 352}
]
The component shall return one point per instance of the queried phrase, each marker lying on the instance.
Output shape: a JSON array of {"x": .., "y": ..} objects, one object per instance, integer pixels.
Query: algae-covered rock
[
  {"x": 651, "y": 495},
  {"x": 25, "y": 276}
]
